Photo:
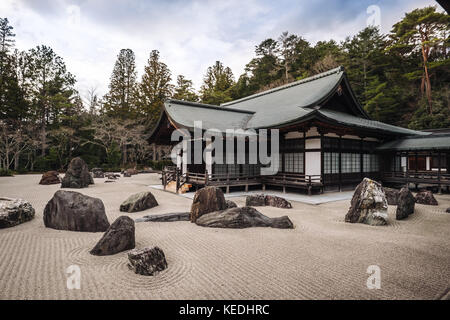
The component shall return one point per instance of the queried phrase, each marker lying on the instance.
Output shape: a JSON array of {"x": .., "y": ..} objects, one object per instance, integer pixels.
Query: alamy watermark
[
  {"x": 251, "y": 147},
  {"x": 74, "y": 277},
  {"x": 374, "y": 280}
]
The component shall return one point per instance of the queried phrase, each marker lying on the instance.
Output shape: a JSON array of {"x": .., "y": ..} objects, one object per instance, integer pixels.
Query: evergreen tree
[
  {"x": 154, "y": 89},
  {"x": 51, "y": 88},
  {"x": 423, "y": 31},
  {"x": 120, "y": 101},
  {"x": 217, "y": 84},
  {"x": 184, "y": 90}
]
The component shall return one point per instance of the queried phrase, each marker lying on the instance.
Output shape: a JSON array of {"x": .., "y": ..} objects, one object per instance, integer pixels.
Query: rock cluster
[
  {"x": 368, "y": 205},
  {"x": 98, "y": 173},
  {"x": 120, "y": 236},
  {"x": 259, "y": 200},
  {"x": 50, "y": 177},
  {"x": 405, "y": 204},
  {"x": 139, "y": 202},
  {"x": 426, "y": 197},
  {"x": 73, "y": 211},
  {"x": 244, "y": 217},
  {"x": 77, "y": 175},
  {"x": 147, "y": 261},
  {"x": 206, "y": 200},
  {"x": 14, "y": 212}
]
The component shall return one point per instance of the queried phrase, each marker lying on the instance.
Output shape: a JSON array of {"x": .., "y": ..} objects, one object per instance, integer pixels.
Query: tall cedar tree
[
  {"x": 51, "y": 88},
  {"x": 154, "y": 89},
  {"x": 184, "y": 90},
  {"x": 120, "y": 101},
  {"x": 217, "y": 84}
]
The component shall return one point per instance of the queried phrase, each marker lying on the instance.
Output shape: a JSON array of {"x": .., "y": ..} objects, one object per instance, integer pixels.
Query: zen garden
[{"x": 321, "y": 165}]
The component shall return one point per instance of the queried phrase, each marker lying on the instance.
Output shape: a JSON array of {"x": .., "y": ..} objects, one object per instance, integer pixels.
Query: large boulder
[
  {"x": 139, "y": 202},
  {"x": 277, "y": 202},
  {"x": 165, "y": 217},
  {"x": 147, "y": 261},
  {"x": 50, "y": 177},
  {"x": 14, "y": 212},
  {"x": 98, "y": 173},
  {"x": 77, "y": 175},
  {"x": 426, "y": 197},
  {"x": 405, "y": 204},
  {"x": 73, "y": 211},
  {"x": 244, "y": 217},
  {"x": 391, "y": 195},
  {"x": 256, "y": 200},
  {"x": 368, "y": 205},
  {"x": 206, "y": 200},
  {"x": 119, "y": 237}
]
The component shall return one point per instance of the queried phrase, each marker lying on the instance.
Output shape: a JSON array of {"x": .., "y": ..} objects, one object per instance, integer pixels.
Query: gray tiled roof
[
  {"x": 287, "y": 104},
  {"x": 416, "y": 143}
]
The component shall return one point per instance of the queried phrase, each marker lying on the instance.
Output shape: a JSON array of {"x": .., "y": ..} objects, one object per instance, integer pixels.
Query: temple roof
[
  {"x": 289, "y": 104},
  {"x": 438, "y": 141}
]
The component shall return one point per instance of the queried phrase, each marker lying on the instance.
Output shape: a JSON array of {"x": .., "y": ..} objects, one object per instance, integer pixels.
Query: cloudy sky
[{"x": 190, "y": 35}]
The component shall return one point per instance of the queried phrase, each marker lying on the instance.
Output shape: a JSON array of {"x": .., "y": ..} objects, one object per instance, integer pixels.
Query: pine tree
[
  {"x": 184, "y": 90},
  {"x": 422, "y": 31},
  {"x": 120, "y": 101},
  {"x": 154, "y": 88},
  {"x": 217, "y": 84}
]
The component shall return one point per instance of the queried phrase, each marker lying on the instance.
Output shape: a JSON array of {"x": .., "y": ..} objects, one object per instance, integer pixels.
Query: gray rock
[
  {"x": 244, "y": 217},
  {"x": 77, "y": 175},
  {"x": 257, "y": 200},
  {"x": 14, "y": 212},
  {"x": 368, "y": 205},
  {"x": 119, "y": 237},
  {"x": 98, "y": 173},
  {"x": 166, "y": 217},
  {"x": 426, "y": 197},
  {"x": 277, "y": 202},
  {"x": 391, "y": 195},
  {"x": 50, "y": 177},
  {"x": 230, "y": 204},
  {"x": 405, "y": 204},
  {"x": 147, "y": 261},
  {"x": 139, "y": 202},
  {"x": 206, "y": 200},
  {"x": 73, "y": 211},
  {"x": 126, "y": 174}
]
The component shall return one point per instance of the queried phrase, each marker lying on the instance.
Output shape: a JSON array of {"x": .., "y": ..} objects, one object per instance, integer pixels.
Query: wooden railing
[
  {"x": 307, "y": 182},
  {"x": 426, "y": 177},
  {"x": 294, "y": 180}
]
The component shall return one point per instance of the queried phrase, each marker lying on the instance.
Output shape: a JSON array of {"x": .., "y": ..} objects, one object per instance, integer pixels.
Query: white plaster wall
[
  {"x": 294, "y": 135},
  {"x": 428, "y": 165},
  {"x": 312, "y": 144},
  {"x": 312, "y": 132},
  {"x": 312, "y": 163}
]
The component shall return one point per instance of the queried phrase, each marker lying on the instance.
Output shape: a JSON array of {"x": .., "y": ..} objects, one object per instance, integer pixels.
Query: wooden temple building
[{"x": 326, "y": 140}]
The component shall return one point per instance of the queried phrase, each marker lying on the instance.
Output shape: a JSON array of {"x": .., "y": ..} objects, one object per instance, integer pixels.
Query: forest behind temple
[{"x": 401, "y": 78}]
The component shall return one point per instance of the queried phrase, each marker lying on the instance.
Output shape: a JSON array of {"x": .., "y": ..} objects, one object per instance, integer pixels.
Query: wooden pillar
[
  {"x": 439, "y": 172},
  {"x": 340, "y": 163},
  {"x": 361, "y": 151}
]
